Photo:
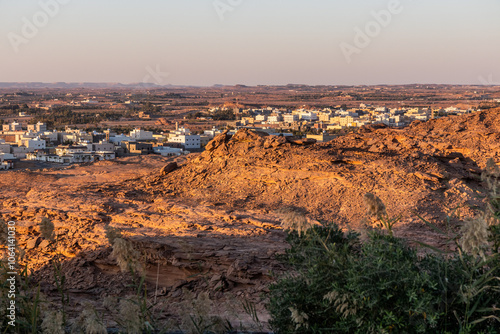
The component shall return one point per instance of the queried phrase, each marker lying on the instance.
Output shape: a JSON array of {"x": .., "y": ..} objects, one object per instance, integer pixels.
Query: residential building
[
  {"x": 4, "y": 147},
  {"x": 324, "y": 117},
  {"x": 70, "y": 149},
  {"x": 118, "y": 139},
  {"x": 6, "y": 161},
  {"x": 77, "y": 157},
  {"x": 34, "y": 144},
  {"x": 274, "y": 118},
  {"x": 75, "y": 136},
  {"x": 204, "y": 140},
  {"x": 290, "y": 118},
  {"x": 261, "y": 118},
  {"x": 20, "y": 151},
  {"x": 248, "y": 120},
  {"x": 142, "y": 148},
  {"x": 184, "y": 137},
  {"x": 169, "y": 151},
  {"x": 309, "y": 116},
  {"x": 101, "y": 147},
  {"x": 138, "y": 134},
  {"x": 14, "y": 126},
  {"x": 39, "y": 127},
  {"x": 50, "y": 136}
]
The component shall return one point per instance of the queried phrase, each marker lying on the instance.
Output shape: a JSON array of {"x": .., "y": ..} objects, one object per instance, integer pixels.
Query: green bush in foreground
[{"x": 340, "y": 285}]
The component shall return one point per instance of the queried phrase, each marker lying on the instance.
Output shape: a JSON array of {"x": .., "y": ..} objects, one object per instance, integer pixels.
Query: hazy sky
[{"x": 250, "y": 41}]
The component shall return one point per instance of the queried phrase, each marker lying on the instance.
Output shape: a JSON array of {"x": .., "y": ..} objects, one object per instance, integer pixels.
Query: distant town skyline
[{"x": 202, "y": 43}]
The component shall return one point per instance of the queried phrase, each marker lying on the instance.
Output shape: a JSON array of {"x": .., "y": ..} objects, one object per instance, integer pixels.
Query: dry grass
[
  {"x": 474, "y": 236},
  {"x": 47, "y": 229},
  {"x": 375, "y": 206},
  {"x": 129, "y": 314},
  {"x": 299, "y": 318},
  {"x": 197, "y": 317},
  {"x": 112, "y": 233},
  {"x": 295, "y": 220},
  {"x": 88, "y": 322},
  {"x": 53, "y": 323},
  {"x": 491, "y": 176},
  {"x": 127, "y": 257}
]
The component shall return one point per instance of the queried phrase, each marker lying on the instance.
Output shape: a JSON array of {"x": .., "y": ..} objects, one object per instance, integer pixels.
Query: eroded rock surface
[{"x": 207, "y": 223}]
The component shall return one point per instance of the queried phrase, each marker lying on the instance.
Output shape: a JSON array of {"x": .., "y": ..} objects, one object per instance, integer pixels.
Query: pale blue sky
[{"x": 258, "y": 42}]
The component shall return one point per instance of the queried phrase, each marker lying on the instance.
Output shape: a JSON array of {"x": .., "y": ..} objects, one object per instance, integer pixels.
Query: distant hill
[{"x": 72, "y": 85}]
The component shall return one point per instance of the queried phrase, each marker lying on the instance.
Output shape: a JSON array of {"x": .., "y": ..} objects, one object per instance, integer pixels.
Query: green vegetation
[
  {"x": 150, "y": 108},
  {"x": 196, "y": 115},
  {"x": 223, "y": 115},
  {"x": 61, "y": 116},
  {"x": 338, "y": 284},
  {"x": 342, "y": 283}
]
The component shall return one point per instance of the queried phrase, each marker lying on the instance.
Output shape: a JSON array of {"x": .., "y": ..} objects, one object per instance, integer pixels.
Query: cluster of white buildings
[
  {"x": 6, "y": 158},
  {"x": 332, "y": 119},
  {"x": 36, "y": 142},
  {"x": 76, "y": 146}
]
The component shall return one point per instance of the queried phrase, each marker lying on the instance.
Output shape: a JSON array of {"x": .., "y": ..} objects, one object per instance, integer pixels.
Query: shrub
[{"x": 335, "y": 284}]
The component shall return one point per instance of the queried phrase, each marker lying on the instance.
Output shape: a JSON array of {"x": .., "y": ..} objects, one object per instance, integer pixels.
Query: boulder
[{"x": 168, "y": 169}]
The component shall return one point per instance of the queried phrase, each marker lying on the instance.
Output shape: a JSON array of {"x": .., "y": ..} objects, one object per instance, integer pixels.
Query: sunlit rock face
[{"x": 208, "y": 222}]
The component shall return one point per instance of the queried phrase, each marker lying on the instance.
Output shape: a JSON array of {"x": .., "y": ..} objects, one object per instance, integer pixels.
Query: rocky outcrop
[
  {"x": 209, "y": 223},
  {"x": 413, "y": 169}
]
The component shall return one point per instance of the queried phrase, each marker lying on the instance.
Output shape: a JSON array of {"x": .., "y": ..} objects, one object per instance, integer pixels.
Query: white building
[
  {"x": 6, "y": 156},
  {"x": 309, "y": 116},
  {"x": 76, "y": 157},
  {"x": 290, "y": 118},
  {"x": 20, "y": 151},
  {"x": 38, "y": 127},
  {"x": 185, "y": 138},
  {"x": 75, "y": 136},
  {"x": 381, "y": 109},
  {"x": 34, "y": 144},
  {"x": 138, "y": 134},
  {"x": 117, "y": 139},
  {"x": 14, "y": 126},
  {"x": 65, "y": 150},
  {"x": 261, "y": 118},
  {"x": 101, "y": 147},
  {"x": 347, "y": 113},
  {"x": 4, "y": 147},
  {"x": 166, "y": 151},
  {"x": 6, "y": 161},
  {"x": 324, "y": 117},
  {"x": 274, "y": 119},
  {"x": 212, "y": 133},
  {"x": 50, "y": 136}
]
